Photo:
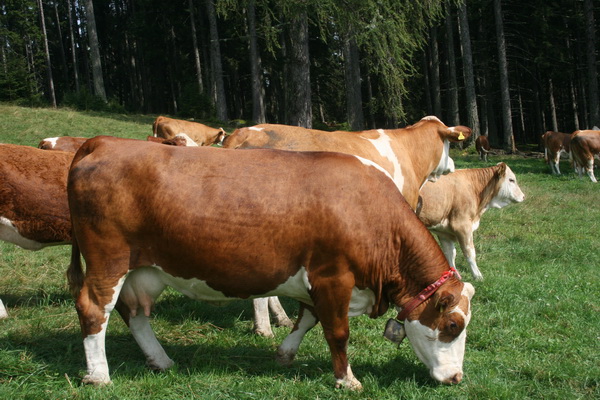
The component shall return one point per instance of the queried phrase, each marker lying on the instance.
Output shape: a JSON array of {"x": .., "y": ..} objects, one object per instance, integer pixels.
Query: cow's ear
[
  {"x": 501, "y": 168},
  {"x": 445, "y": 300},
  {"x": 457, "y": 133}
]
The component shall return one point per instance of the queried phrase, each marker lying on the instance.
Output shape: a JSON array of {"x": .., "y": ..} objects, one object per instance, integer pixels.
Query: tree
[
  {"x": 51, "y": 92},
  {"x": 468, "y": 72},
  {"x": 592, "y": 70},
  {"x": 353, "y": 83},
  {"x": 195, "y": 47},
  {"x": 507, "y": 127},
  {"x": 95, "y": 58},
  {"x": 258, "y": 95},
  {"x": 217, "y": 67},
  {"x": 453, "y": 114}
]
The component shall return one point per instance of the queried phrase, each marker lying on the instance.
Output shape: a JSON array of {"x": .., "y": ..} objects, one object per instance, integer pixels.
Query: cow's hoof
[
  {"x": 287, "y": 323},
  {"x": 155, "y": 365},
  {"x": 350, "y": 383},
  {"x": 264, "y": 332},
  {"x": 284, "y": 358},
  {"x": 95, "y": 380}
]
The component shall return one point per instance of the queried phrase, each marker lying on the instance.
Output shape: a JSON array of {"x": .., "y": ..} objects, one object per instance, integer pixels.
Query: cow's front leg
[
  {"x": 94, "y": 304},
  {"x": 286, "y": 352}
]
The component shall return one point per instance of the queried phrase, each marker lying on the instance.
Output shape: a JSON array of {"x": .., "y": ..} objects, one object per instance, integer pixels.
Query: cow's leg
[
  {"x": 555, "y": 164},
  {"x": 136, "y": 302},
  {"x": 287, "y": 350},
  {"x": 96, "y": 300},
  {"x": 281, "y": 318},
  {"x": 447, "y": 245},
  {"x": 465, "y": 239},
  {"x": 262, "y": 322},
  {"x": 332, "y": 300},
  {"x": 3, "y": 313},
  {"x": 589, "y": 169}
]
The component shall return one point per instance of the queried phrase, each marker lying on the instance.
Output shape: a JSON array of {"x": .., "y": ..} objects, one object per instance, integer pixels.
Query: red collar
[{"x": 426, "y": 293}]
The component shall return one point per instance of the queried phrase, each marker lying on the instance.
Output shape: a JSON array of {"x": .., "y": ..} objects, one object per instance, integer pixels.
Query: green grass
[{"x": 535, "y": 332}]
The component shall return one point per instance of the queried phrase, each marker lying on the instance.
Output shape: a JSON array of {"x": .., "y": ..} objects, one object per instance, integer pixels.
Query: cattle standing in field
[
  {"x": 453, "y": 206},
  {"x": 327, "y": 229},
  {"x": 585, "y": 145},
  {"x": 33, "y": 198},
  {"x": 203, "y": 135},
  {"x": 482, "y": 145},
  {"x": 555, "y": 144},
  {"x": 411, "y": 155},
  {"x": 62, "y": 143}
]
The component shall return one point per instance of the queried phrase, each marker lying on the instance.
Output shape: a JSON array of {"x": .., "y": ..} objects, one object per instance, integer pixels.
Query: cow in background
[
  {"x": 585, "y": 145},
  {"x": 482, "y": 145},
  {"x": 62, "y": 143},
  {"x": 555, "y": 144},
  {"x": 453, "y": 206},
  {"x": 203, "y": 135}
]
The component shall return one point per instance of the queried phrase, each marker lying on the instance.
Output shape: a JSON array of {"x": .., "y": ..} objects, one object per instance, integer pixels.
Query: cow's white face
[
  {"x": 440, "y": 343},
  {"x": 509, "y": 191}
]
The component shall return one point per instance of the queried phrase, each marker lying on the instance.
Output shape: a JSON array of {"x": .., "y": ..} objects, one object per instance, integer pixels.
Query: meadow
[{"x": 535, "y": 331}]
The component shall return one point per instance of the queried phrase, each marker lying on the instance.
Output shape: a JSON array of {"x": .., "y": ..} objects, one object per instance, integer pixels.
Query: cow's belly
[
  {"x": 144, "y": 284},
  {"x": 9, "y": 233}
]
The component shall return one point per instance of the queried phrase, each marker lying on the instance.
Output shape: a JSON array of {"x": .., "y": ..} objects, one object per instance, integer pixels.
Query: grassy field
[{"x": 535, "y": 331}]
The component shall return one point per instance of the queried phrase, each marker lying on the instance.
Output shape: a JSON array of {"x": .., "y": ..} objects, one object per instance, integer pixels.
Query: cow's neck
[{"x": 485, "y": 188}]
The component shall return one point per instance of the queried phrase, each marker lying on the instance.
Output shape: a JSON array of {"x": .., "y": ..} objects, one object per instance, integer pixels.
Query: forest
[{"x": 508, "y": 69}]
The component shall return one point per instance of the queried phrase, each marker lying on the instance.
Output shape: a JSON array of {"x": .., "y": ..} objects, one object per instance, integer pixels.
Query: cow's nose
[{"x": 454, "y": 379}]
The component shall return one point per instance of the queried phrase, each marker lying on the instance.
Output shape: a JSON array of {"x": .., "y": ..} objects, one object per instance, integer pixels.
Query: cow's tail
[{"x": 75, "y": 272}]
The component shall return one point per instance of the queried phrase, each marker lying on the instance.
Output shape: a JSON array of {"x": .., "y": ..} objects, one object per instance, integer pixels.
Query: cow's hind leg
[
  {"x": 289, "y": 347},
  {"x": 589, "y": 169},
  {"x": 138, "y": 295},
  {"x": 281, "y": 318},
  {"x": 262, "y": 322},
  {"x": 465, "y": 239}
]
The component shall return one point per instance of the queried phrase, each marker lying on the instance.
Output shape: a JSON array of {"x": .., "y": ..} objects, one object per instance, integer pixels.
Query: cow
[
  {"x": 585, "y": 145},
  {"x": 203, "y": 135},
  {"x": 411, "y": 155},
  {"x": 62, "y": 143},
  {"x": 453, "y": 206},
  {"x": 482, "y": 145},
  {"x": 327, "y": 229},
  {"x": 33, "y": 198},
  {"x": 555, "y": 144},
  {"x": 180, "y": 139}
]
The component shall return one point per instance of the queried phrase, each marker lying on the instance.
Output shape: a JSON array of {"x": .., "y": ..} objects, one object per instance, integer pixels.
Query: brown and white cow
[
  {"x": 482, "y": 145},
  {"x": 33, "y": 198},
  {"x": 585, "y": 145},
  {"x": 327, "y": 229},
  {"x": 411, "y": 155},
  {"x": 62, "y": 143},
  {"x": 203, "y": 135},
  {"x": 453, "y": 206},
  {"x": 180, "y": 139},
  {"x": 555, "y": 144}
]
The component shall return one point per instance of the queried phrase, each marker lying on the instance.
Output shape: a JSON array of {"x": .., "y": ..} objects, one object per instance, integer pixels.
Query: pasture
[{"x": 535, "y": 331}]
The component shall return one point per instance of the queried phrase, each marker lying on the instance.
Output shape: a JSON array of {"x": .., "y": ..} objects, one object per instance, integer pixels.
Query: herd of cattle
[{"x": 340, "y": 221}]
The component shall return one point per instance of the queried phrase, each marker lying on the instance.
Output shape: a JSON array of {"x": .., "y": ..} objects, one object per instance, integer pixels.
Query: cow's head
[
  {"x": 508, "y": 191},
  {"x": 437, "y": 331},
  {"x": 447, "y": 135}
]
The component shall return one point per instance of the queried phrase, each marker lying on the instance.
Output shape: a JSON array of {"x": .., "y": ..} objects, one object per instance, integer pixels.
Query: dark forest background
[{"x": 507, "y": 68}]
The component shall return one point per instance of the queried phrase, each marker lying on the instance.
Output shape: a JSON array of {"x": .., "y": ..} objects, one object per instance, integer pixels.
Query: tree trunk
[
  {"x": 507, "y": 128},
  {"x": 552, "y": 106},
  {"x": 195, "y": 45},
  {"x": 468, "y": 73},
  {"x": 574, "y": 104},
  {"x": 353, "y": 84},
  {"x": 217, "y": 68},
  {"x": 258, "y": 93},
  {"x": 434, "y": 72},
  {"x": 94, "y": 50},
  {"x": 594, "y": 105},
  {"x": 51, "y": 93},
  {"x": 61, "y": 47},
  {"x": 71, "y": 11},
  {"x": 299, "y": 104},
  {"x": 453, "y": 114}
]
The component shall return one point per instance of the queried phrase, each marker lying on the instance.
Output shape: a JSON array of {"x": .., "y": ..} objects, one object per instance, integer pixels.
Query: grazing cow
[
  {"x": 33, "y": 198},
  {"x": 482, "y": 145},
  {"x": 327, "y": 229},
  {"x": 178, "y": 140},
  {"x": 556, "y": 143},
  {"x": 585, "y": 145},
  {"x": 203, "y": 135},
  {"x": 411, "y": 155},
  {"x": 62, "y": 143},
  {"x": 453, "y": 206}
]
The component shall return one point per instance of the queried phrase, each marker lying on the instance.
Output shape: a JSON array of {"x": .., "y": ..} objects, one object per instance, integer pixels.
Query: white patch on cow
[
  {"x": 94, "y": 345},
  {"x": 372, "y": 164},
  {"x": 3, "y": 313},
  {"x": 349, "y": 381},
  {"x": 361, "y": 302},
  {"x": 444, "y": 166},
  {"x": 156, "y": 358},
  {"x": 509, "y": 191},
  {"x": 289, "y": 347},
  {"x": 9, "y": 233},
  {"x": 384, "y": 148},
  {"x": 52, "y": 141},
  {"x": 188, "y": 140},
  {"x": 443, "y": 359},
  {"x": 254, "y": 128}
]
